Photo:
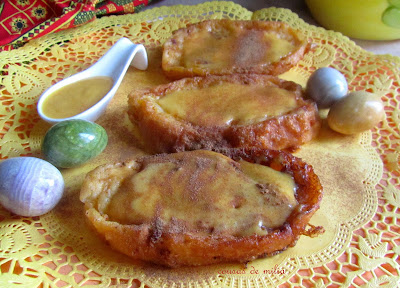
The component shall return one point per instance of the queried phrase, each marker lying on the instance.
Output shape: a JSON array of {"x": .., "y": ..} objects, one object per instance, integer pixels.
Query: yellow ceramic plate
[{"x": 359, "y": 173}]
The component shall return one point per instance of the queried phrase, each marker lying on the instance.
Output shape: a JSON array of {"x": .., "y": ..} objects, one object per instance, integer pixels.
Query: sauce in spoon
[
  {"x": 85, "y": 95},
  {"x": 76, "y": 97}
]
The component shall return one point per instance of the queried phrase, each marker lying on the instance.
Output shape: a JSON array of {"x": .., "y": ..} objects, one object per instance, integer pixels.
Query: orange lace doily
[{"x": 360, "y": 174}]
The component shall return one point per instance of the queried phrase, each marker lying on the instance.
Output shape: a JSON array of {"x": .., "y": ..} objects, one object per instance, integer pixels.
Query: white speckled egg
[
  {"x": 29, "y": 186},
  {"x": 326, "y": 86}
]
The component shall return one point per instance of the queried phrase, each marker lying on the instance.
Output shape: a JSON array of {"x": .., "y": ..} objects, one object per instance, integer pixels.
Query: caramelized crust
[
  {"x": 153, "y": 242},
  {"x": 164, "y": 132},
  {"x": 226, "y": 46}
]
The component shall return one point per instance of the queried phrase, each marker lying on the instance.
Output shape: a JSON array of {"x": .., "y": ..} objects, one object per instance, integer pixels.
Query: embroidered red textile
[{"x": 23, "y": 20}]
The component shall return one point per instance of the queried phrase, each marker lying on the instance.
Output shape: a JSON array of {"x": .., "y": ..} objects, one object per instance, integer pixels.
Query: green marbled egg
[{"x": 71, "y": 143}]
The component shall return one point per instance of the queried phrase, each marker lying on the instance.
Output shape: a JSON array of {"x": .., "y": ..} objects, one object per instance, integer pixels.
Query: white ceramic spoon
[{"x": 113, "y": 64}]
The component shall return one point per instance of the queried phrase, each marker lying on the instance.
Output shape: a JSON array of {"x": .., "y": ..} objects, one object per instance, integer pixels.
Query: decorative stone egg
[
  {"x": 71, "y": 143},
  {"x": 357, "y": 112},
  {"x": 29, "y": 186},
  {"x": 326, "y": 86}
]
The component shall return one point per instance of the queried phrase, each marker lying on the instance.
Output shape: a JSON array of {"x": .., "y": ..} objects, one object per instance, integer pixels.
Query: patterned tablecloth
[
  {"x": 24, "y": 20},
  {"x": 360, "y": 173}
]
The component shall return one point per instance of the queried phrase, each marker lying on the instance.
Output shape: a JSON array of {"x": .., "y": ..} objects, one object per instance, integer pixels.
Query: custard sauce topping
[
  {"x": 228, "y": 103},
  {"x": 206, "y": 192},
  {"x": 209, "y": 48},
  {"x": 77, "y": 97}
]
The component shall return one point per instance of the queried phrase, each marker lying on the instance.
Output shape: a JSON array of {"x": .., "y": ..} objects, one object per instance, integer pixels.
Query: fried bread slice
[
  {"x": 203, "y": 207},
  {"x": 226, "y": 46},
  {"x": 211, "y": 112}
]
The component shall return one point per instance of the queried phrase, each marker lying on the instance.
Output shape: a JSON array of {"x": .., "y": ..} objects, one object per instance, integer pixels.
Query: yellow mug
[{"x": 362, "y": 19}]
